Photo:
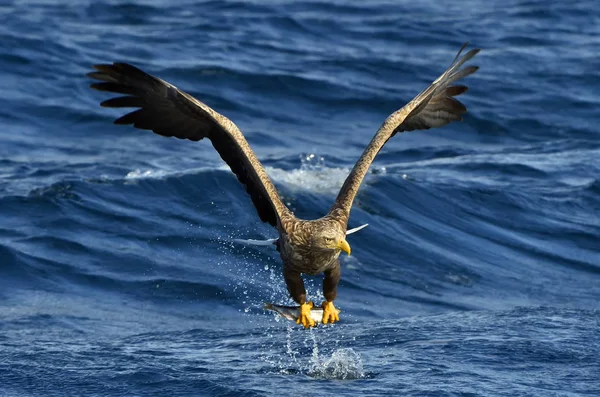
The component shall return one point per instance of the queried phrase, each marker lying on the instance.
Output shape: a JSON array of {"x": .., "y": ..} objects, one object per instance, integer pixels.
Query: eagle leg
[
  {"x": 330, "y": 313},
  {"x": 295, "y": 286},
  {"x": 330, "y": 282},
  {"x": 305, "y": 318}
]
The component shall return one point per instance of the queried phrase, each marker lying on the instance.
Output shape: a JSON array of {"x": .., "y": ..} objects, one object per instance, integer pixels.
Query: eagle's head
[{"x": 328, "y": 235}]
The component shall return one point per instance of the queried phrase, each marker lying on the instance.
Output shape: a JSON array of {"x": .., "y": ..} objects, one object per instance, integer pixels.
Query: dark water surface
[{"x": 479, "y": 273}]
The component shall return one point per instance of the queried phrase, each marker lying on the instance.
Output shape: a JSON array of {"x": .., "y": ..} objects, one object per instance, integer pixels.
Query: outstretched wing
[
  {"x": 169, "y": 111},
  {"x": 434, "y": 107}
]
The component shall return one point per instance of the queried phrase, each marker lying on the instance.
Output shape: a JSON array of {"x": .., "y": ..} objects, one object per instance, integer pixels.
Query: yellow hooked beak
[{"x": 344, "y": 246}]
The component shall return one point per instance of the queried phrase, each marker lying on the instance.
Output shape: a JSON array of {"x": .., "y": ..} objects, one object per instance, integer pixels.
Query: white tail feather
[
  {"x": 356, "y": 229},
  {"x": 272, "y": 241}
]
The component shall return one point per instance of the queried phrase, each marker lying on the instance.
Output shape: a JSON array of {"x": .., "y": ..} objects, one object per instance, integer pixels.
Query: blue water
[{"x": 479, "y": 273}]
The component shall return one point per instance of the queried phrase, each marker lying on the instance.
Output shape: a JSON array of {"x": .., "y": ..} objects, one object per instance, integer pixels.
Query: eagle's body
[{"x": 306, "y": 246}]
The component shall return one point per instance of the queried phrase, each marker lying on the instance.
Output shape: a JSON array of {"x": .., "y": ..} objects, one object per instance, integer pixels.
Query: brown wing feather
[
  {"x": 169, "y": 111},
  {"x": 434, "y": 107}
]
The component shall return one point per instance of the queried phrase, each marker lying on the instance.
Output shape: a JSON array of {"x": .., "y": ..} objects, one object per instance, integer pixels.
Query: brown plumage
[{"x": 310, "y": 247}]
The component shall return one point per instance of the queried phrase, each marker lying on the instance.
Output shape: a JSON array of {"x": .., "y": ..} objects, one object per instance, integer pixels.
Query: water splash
[{"x": 342, "y": 364}]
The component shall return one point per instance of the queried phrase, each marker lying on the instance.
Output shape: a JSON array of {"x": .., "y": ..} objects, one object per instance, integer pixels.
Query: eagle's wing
[
  {"x": 168, "y": 111},
  {"x": 434, "y": 107}
]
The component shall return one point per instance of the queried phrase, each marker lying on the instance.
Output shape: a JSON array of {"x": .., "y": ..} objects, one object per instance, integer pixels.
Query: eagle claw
[
  {"x": 305, "y": 318},
  {"x": 330, "y": 313}
]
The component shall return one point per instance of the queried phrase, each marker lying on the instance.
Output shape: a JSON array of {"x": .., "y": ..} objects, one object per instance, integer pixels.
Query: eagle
[{"x": 305, "y": 246}]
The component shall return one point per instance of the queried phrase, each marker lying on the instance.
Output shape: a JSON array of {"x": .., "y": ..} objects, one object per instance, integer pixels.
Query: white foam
[
  {"x": 139, "y": 174},
  {"x": 324, "y": 180},
  {"x": 313, "y": 175},
  {"x": 319, "y": 179}
]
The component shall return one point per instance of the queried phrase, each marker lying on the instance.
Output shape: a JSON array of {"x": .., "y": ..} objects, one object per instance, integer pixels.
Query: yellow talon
[
  {"x": 330, "y": 313},
  {"x": 304, "y": 318}
]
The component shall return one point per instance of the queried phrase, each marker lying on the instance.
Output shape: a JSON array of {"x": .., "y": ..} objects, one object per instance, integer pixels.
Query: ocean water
[{"x": 479, "y": 272}]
